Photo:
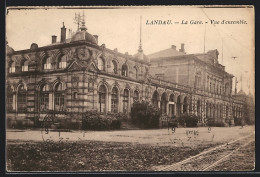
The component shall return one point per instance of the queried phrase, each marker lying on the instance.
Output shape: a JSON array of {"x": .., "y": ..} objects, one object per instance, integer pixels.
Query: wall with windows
[{"x": 78, "y": 78}]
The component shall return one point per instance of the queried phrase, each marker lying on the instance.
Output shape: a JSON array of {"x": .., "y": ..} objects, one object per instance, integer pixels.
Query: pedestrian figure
[{"x": 229, "y": 123}]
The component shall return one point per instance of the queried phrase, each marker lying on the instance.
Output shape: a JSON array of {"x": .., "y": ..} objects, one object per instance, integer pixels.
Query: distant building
[
  {"x": 248, "y": 107},
  {"x": 76, "y": 74},
  {"x": 211, "y": 96}
]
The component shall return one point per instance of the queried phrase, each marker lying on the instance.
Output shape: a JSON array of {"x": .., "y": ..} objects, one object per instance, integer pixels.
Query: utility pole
[{"x": 204, "y": 38}]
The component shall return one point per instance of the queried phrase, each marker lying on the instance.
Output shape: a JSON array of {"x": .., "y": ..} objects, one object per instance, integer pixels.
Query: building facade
[{"x": 75, "y": 75}]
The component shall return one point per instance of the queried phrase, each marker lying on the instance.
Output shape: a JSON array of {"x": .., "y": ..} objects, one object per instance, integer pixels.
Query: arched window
[
  {"x": 25, "y": 66},
  {"x": 155, "y": 99},
  {"x": 136, "y": 95},
  {"x": 47, "y": 63},
  {"x": 179, "y": 105},
  {"x": 217, "y": 111},
  {"x": 21, "y": 98},
  {"x": 163, "y": 103},
  {"x": 102, "y": 98},
  {"x": 147, "y": 93},
  {"x": 59, "y": 97},
  {"x": 207, "y": 110},
  {"x": 101, "y": 64},
  {"x": 12, "y": 67},
  {"x": 124, "y": 70},
  {"x": 185, "y": 105},
  {"x": 171, "y": 105},
  {"x": 227, "y": 112},
  {"x": 198, "y": 80},
  {"x": 198, "y": 108},
  {"x": 214, "y": 111},
  {"x": 227, "y": 88},
  {"x": 114, "y": 100},
  {"x": 10, "y": 94},
  {"x": 44, "y": 97},
  {"x": 135, "y": 72},
  {"x": 126, "y": 101},
  {"x": 62, "y": 63},
  {"x": 221, "y": 111},
  {"x": 114, "y": 67}
]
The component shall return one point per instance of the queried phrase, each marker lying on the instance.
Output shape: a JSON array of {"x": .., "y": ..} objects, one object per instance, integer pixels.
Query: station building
[{"x": 76, "y": 74}]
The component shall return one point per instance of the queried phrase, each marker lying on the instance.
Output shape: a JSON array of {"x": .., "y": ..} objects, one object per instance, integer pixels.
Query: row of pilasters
[{"x": 174, "y": 109}]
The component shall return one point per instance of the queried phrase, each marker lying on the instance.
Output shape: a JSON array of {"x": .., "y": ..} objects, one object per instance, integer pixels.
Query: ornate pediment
[
  {"x": 92, "y": 67},
  {"x": 74, "y": 66}
]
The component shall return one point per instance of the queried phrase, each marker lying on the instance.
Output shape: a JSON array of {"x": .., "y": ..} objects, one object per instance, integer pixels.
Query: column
[
  {"x": 51, "y": 102},
  {"x": 14, "y": 102},
  {"x": 170, "y": 109},
  {"x": 181, "y": 111},
  {"x": 109, "y": 102},
  {"x": 131, "y": 102},
  {"x": 120, "y": 103},
  {"x": 95, "y": 98},
  {"x": 174, "y": 107},
  {"x": 167, "y": 108}
]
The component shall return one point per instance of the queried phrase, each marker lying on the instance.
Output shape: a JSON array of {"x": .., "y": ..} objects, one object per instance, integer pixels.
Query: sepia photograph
[{"x": 130, "y": 89}]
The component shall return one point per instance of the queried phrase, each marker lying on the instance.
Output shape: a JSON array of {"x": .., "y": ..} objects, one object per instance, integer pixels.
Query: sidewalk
[{"x": 156, "y": 137}]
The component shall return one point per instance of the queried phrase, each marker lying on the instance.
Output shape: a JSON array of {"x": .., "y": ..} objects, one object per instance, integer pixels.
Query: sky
[{"x": 120, "y": 28}]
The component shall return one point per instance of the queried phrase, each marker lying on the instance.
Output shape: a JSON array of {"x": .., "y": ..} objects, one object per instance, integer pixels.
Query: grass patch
[{"x": 93, "y": 156}]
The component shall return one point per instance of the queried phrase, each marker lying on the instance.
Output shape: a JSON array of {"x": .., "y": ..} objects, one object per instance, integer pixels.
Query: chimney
[
  {"x": 63, "y": 34},
  {"x": 53, "y": 39},
  {"x": 103, "y": 46},
  {"x": 182, "y": 48},
  {"x": 96, "y": 36},
  {"x": 173, "y": 47}
]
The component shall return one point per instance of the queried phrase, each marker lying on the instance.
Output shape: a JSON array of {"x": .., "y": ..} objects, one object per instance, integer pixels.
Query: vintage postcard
[{"x": 130, "y": 88}]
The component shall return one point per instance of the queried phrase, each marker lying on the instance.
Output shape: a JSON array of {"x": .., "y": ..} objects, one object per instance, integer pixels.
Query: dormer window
[
  {"x": 124, "y": 70},
  {"x": 197, "y": 81},
  {"x": 62, "y": 62},
  {"x": 114, "y": 67},
  {"x": 25, "y": 66},
  {"x": 47, "y": 64},
  {"x": 101, "y": 64},
  {"x": 227, "y": 88},
  {"x": 12, "y": 67}
]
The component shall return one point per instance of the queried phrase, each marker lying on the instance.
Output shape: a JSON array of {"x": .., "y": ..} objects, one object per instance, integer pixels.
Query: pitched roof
[{"x": 171, "y": 52}]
